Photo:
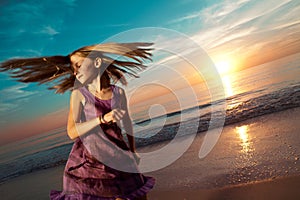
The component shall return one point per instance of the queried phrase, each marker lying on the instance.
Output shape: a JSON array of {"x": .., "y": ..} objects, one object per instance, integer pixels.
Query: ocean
[{"x": 256, "y": 91}]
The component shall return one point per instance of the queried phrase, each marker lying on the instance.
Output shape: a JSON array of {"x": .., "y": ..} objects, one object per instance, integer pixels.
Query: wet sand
[
  {"x": 276, "y": 189},
  {"x": 254, "y": 159}
]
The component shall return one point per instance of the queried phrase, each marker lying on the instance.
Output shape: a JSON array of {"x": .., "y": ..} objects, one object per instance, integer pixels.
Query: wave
[
  {"x": 33, "y": 162},
  {"x": 237, "y": 111},
  {"x": 277, "y": 101}
]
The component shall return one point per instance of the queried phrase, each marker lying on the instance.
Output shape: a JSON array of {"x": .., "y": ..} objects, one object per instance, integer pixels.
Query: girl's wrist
[{"x": 102, "y": 120}]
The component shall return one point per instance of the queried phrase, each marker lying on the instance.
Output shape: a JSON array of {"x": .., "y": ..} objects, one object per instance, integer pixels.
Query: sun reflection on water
[
  {"x": 227, "y": 86},
  {"x": 230, "y": 90},
  {"x": 242, "y": 131}
]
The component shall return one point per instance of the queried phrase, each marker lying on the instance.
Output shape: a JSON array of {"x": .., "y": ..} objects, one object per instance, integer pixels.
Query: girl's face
[{"x": 85, "y": 69}]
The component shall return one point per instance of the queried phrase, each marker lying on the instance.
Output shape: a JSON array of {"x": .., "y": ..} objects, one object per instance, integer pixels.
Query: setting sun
[
  {"x": 226, "y": 63},
  {"x": 224, "y": 66}
]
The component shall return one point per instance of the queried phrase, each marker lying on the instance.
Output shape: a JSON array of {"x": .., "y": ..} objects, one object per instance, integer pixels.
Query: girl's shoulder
[{"x": 77, "y": 95}]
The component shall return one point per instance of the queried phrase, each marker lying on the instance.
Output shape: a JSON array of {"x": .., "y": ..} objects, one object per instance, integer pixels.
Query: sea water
[{"x": 267, "y": 88}]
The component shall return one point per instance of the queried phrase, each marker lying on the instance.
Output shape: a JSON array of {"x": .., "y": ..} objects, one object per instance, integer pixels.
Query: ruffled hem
[
  {"x": 58, "y": 195},
  {"x": 142, "y": 191}
]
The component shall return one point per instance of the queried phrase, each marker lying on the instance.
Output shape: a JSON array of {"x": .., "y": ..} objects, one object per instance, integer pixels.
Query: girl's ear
[{"x": 98, "y": 62}]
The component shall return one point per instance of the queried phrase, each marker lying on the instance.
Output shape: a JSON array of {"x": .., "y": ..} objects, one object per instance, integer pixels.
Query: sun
[{"x": 224, "y": 66}]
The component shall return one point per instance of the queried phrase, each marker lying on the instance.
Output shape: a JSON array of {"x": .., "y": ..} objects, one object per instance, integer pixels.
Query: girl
[{"x": 101, "y": 165}]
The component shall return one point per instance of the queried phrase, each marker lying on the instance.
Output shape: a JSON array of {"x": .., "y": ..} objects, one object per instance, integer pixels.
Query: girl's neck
[{"x": 99, "y": 85}]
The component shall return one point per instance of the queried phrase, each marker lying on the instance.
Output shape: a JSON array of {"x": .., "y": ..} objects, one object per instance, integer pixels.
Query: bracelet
[
  {"x": 99, "y": 117},
  {"x": 102, "y": 120}
]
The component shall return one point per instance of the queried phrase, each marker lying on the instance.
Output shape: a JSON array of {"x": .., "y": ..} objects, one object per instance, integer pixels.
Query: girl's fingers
[
  {"x": 122, "y": 111},
  {"x": 115, "y": 115},
  {"x": 118, "y": 114}
]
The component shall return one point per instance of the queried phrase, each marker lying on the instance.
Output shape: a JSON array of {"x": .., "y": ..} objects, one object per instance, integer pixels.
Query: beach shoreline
[
  {"x": 269, "y": 168},
  {"x": 276, "y": 189}
]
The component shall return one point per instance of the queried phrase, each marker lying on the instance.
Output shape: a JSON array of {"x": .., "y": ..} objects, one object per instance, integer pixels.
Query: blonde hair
[{"x": 58, "y": 68}]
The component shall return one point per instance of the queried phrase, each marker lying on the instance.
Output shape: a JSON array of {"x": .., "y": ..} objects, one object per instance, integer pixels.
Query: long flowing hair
[{"x": 118, "y": 59}]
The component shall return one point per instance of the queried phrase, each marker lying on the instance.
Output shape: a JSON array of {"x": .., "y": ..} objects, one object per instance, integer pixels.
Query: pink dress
[{"x": 85, "y": 177}]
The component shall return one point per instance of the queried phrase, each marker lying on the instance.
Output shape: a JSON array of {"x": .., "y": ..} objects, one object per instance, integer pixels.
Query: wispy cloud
[
  {"x": 240, "y": 27},
  {"x": 16, "y": 94},
  {"x": 7, "y": 106},
  {"x": 16, "y": 91},
  {"x": 117, "y": 25},
  {"x": 187, "y": 17},
  {"x": 49, "y": 30},
  {"x": 25, "y": 20}
]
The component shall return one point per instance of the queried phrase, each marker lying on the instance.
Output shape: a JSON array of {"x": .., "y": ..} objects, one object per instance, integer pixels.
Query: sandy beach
[{"x": 260, "y": 163}]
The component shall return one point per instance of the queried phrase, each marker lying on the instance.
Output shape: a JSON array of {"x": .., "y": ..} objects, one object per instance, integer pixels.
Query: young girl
[{"x": 101, "y": 165}]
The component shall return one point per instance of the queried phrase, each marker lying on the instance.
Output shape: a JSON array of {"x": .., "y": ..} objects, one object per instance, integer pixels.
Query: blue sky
[
  {"x": 244, "y": 29},
  {"x": 33, "y": 28}
]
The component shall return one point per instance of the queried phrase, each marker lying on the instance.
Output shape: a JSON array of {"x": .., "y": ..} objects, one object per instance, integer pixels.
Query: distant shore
[{"x": 265, "y": 166}]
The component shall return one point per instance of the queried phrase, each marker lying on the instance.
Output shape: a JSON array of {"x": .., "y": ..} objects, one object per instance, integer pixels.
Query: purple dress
[{"x": 85, "y": 177}]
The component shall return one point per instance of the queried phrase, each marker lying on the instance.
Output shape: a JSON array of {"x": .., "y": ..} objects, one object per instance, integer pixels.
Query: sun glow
[{"x": 224, "y": 66}]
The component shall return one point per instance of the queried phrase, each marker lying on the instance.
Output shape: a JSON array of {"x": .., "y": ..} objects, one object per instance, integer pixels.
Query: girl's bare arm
[{"x": 75, "y": 128}]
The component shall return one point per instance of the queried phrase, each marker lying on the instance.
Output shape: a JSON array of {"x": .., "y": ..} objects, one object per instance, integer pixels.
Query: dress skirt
[{"x": 85, "y": 176}]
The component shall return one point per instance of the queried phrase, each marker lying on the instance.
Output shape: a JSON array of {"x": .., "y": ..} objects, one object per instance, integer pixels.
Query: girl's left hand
[{"x": 114, "y": 115}]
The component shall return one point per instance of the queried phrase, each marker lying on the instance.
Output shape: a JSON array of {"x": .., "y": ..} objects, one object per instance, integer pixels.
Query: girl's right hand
[{"x": 114, "y": 115}]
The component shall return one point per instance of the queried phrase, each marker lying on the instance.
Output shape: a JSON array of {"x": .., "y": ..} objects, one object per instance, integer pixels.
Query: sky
[{"x": 236, "y": 35}]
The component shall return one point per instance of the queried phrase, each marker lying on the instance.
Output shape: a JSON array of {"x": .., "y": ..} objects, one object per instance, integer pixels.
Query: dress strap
[
  {"x": 115, "y": 103},
  {"x": 87, "y": 95}
]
